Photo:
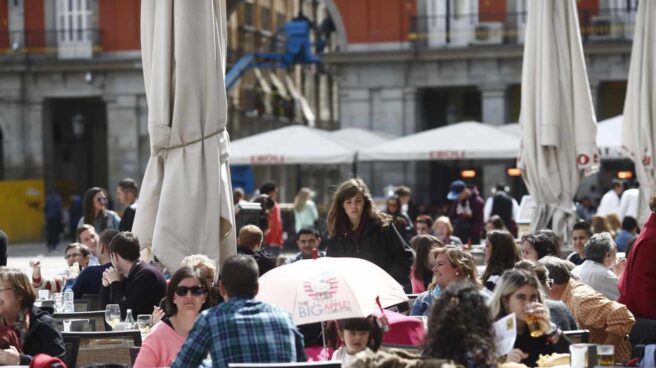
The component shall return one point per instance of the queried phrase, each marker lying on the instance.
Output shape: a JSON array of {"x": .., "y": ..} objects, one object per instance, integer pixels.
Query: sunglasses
[
  {"x": 195, "y": 290},
  {"x": 101, "y": 199}
]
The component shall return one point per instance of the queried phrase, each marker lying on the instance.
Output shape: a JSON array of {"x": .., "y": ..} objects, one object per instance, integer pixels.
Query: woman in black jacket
[
  {"x": 358, "y": 229},
  {"x": 26, "y": 330}
]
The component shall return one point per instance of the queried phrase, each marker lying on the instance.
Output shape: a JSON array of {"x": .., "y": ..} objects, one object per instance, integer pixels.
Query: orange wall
[
  {"x": 376, "y": 20},
  {"x": 34, "y": 23},
  {"x": 4, "y": 25},
  {"x": 492, "y": 10},
  {"x": 119, "y": 23}
]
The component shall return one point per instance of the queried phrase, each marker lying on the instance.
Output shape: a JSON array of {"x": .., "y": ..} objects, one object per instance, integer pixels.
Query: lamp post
[{"x": 78, "y": 125}]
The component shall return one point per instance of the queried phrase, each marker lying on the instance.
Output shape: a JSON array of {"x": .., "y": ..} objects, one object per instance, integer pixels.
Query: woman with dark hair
[
  {"x": 26, "y": 329},
  {"x": 519, "y": 292},
  {"x": 186, "y": 296},
  {"x": 95, "y": 212},
  {"x": 421, "y": 273},
  {"x": 500, "y": 254},
  {"x": 460, "y": 328},
  {"x": 543, "y": 243},
  {"x": 400, "y": 219},
  {"x": 358, "y": 229}
]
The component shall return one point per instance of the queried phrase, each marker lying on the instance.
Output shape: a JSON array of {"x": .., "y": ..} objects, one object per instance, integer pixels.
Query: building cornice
[{"x": 465, "y": 53}]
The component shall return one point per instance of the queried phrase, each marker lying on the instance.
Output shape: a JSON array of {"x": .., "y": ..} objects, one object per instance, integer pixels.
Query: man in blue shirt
[{"x": 241, "y": 330}]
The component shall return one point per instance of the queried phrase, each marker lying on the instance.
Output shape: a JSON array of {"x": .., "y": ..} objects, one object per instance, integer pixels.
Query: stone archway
[{"x": 333, "y": 10}]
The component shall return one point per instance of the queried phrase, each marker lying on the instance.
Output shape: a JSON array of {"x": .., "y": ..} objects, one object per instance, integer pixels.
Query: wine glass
[
  {"x": 144, "y": 322},
  {"x": 112, "y": 314},
  {"x": 59, "y": 302}
]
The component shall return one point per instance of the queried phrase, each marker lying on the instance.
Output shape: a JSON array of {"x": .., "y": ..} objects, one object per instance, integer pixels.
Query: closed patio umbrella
[
  {"x": 185, "y": 206},
  {"x": 638, "y": 134},
  {"x": 557, "y": 116}
]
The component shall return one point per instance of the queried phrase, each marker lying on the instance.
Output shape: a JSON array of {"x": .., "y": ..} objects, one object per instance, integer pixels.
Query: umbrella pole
[{"x": 323, "y": 336}]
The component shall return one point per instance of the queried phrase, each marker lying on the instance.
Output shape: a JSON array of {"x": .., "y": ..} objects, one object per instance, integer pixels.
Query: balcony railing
[
  {"x": 490, "y": 29},
  {"x": 62, "y": 44}
]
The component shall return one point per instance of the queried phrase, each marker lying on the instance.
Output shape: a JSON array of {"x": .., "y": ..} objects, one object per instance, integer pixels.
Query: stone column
[
  {"x": 495, "y": 104},
  {"x": 122, "y": 138}
]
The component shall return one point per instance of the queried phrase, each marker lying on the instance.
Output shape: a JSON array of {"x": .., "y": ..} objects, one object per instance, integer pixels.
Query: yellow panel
[{"x": 22, "y": 203}]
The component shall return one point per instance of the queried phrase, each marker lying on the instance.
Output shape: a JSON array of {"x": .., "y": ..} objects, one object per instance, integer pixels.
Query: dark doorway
[
  {"x": 75, "y": 144},
  {"x": 443, "y": 106}
]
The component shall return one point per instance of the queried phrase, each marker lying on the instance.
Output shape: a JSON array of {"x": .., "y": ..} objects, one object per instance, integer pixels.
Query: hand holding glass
[
  {"x": 112, "y": 314},
  {"x": 533, "y": 321}
]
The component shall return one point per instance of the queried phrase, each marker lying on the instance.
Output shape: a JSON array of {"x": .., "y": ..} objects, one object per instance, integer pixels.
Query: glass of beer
[
  {"x": 532, "y": 321},
  {"x": 606, "y": 355}
]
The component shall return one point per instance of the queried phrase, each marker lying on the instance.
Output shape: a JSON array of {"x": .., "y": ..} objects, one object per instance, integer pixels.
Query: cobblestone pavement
[{"x": 51, "y": 263}]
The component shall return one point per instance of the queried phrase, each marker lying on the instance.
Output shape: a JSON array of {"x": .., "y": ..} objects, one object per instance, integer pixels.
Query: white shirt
[
  {"x": 610, "y": 203},
  {"x": 629, "y": 203},
  {"x": 342, "y": 355},
  {"x": 598, "y": 277}
]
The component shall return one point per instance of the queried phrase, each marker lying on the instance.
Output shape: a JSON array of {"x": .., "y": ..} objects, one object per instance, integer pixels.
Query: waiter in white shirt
[{"x": 610, "y": 202}]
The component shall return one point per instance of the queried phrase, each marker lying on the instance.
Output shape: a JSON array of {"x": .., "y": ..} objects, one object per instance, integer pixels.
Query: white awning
[
  {"x": 358, "y": 139},
  {"x": 466, "y": 140},
  {"x": 296, "y": 144}
]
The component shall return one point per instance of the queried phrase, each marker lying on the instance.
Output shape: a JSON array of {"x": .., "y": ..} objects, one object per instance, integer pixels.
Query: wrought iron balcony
[
  {"x": 61, "y": 44},
  {"x": 493, "y": 29}
]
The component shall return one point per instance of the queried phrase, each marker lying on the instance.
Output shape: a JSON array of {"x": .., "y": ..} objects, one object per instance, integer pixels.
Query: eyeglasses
[
  {"x": 72, "y": 255},
  {"x": 101, "y": 199},
  {"x": 195, "y": 290}
]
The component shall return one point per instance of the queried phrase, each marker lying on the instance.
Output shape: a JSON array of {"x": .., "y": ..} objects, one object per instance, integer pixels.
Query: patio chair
[
  {"x": 578, "y": 336},
  {"x": 134, "y": 352},
  {"x": 98, "y": 316},
  {"x": 106, "y": 347},
  {"x": 72, "y": 344},
  {"x": 81, "y": 305},
  {"x": 83, "y": 324}
]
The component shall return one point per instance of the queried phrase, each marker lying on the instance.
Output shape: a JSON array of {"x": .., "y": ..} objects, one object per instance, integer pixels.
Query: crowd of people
[{"x": 202, "y": 310}]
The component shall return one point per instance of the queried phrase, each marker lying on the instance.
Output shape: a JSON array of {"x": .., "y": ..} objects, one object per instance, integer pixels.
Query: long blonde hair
[
  {"x": 509, "y": 283},
  {"x": 301, "y": 198}
]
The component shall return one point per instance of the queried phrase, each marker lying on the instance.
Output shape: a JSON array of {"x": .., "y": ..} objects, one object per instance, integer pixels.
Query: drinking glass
[
  {"x": 606, "y": 355},
  {"x": 144, "y": 322},
  {"x": 532, "y": 321},
  {"x": 59, "y": 302},
  {"x": 67, "y": 325},
  {"x": 112, "y": 314}
]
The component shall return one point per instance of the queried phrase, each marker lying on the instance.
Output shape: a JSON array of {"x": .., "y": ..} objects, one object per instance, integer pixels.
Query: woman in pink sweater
[{"x": 186, "y": 296}]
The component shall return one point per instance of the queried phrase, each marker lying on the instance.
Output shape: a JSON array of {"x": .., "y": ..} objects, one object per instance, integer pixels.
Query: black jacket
[
  {"x": 42, "y": 337},
  {"x": 265, "y": 260},
  {"x": 381, "y": 245},
  {"x": 144, "y": 287}
]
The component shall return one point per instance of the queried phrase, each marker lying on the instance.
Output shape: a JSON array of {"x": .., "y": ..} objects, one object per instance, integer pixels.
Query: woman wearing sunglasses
[
  {"x": 186, "y": 296},
  {"x": 96, "y": 214}
]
